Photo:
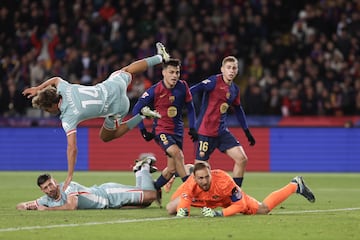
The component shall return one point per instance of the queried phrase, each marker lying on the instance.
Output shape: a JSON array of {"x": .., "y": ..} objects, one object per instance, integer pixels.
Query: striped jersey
[
  {"x": 169, "y": 103},
  {"x": 217, "y": 97}
]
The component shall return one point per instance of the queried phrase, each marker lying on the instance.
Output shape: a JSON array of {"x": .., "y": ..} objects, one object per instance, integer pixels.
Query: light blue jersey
[
  {"x": 105, "y": 99},
  {"x": 107, "y": 195}
]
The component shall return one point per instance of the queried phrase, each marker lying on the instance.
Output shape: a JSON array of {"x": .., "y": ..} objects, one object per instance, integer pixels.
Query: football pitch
[{"x": 334, "y": 215}]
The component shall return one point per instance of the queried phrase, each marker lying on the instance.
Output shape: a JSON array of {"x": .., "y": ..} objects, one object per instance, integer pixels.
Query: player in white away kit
[
  {"x": 107, "y": 195},
  {"x": 108, "y": 99}
]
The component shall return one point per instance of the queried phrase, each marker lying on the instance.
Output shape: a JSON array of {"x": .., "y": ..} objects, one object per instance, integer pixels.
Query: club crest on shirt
[
  {"x": 227, "y": 95},
  {"x": 215, "y": 197},
  {"x": 172, "y": 99},
  {"x": 224, "y": 107},
  {"x": 172, "y": 111}
]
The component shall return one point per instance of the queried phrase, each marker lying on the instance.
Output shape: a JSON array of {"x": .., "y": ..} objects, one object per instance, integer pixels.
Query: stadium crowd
[{"x": 295, "y": 57}]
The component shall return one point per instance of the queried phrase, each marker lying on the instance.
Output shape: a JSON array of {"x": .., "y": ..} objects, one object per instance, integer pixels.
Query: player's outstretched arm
[
  {"x": 71, "y": 156},
  {"x": 71, "y": 204},
  {"x": 32, "y": 91},
  {"x": 30, "y": 205}
]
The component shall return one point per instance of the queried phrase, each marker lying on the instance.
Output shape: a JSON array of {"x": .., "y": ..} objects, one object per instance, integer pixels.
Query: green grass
[{"x": 335, "y": 215}]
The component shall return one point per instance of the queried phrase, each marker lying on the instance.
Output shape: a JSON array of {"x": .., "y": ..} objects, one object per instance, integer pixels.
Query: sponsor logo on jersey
[
  {"x": 223, "y": 108},
  {"x": 172, "y": 111}
]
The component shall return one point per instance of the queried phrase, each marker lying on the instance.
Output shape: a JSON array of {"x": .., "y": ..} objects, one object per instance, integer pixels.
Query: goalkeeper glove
[
  {"x": 208, "y": 212},
  {"x": 148, "y": 136},
  {"x": 193, "y": 134},
  {"x": 182, "y": 212},
  {"x": 250, "y": 137}
]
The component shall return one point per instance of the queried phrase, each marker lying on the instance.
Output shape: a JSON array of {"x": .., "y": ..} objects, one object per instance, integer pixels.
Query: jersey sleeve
[
  {"x": 43, "y": 200},
  {"x": 233, "y": 209},
  {"x": 231, "y": 190},
  {"x": 240, "y": 115},
  {"x": 60, "y": 88},
  {"x": 189, "y": 106},
  {"x": 186, "y": 194},
  {"x": 236, "y": 101},
  {"x": 204, "y": 86},
  {"x": 146, "y": 99},
  {"x": 68, "y": 122},
  {"x": 72, "y": 189},
  {"x": 188, "y": 97},
  {"x": 237, "y": 205},
  {"x": 224, "y": 182}
]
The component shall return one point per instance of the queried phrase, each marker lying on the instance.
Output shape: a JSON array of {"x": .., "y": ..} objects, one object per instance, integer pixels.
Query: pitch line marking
[
  {"x": 15, "y": 229},
  {"x": 317, "y": 211},
  {"x": 85, "y": 224}
]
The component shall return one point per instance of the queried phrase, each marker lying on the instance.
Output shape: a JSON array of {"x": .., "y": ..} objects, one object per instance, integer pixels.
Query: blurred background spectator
[{"x": 295, "y": 57}]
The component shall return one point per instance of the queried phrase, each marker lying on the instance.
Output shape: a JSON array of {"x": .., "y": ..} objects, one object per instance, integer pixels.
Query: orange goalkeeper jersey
[{"x": 223, "y": 192}]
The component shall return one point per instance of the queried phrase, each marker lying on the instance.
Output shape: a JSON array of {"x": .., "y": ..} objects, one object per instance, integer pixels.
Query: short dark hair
[
  {"x": 43, "y": 178},
  {"x": 172, "y": 62},
  {"x": 200, "y": 166}
]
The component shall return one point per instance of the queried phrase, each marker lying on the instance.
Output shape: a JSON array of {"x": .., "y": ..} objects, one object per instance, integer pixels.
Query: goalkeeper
[{"x": 211, "y": 189}]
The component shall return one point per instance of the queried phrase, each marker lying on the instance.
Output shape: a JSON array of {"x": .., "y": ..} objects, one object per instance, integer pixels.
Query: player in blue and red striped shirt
[
  {"x": 219, "y": 92},
  {"x": 169, "y": 97}
]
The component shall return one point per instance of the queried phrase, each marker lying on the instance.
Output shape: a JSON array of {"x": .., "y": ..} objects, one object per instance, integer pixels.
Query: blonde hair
[
  {"x": 45, "y": 98},
  {"x": 229, "y": 59}
]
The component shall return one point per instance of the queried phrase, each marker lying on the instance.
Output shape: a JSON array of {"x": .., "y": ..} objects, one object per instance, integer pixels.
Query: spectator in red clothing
[
  {"x": 107, "y": 10},
  {"x": 292, "y": 104},
  {"x": 45, "y": 46}
]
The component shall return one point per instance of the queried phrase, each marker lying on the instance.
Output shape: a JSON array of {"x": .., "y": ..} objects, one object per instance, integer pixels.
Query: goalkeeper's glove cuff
[
  {"x": 182, "y": 212},
  {"x": 219, "y": 213},
  {"x": 208, "y": 212}
]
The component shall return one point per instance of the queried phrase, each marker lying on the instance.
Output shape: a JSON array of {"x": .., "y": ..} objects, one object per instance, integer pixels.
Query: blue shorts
[
  {"x": 206, "y": 145},
  {"x": 165, "y": 140}
]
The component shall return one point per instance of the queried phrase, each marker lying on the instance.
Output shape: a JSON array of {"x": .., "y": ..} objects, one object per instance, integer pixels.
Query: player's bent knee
[
  {"x": 263, "y": 209},
  {"x": 241, "y": 160}
]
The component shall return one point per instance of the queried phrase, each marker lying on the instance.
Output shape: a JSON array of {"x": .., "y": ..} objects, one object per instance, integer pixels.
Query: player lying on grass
[
  {"x": 210, "y": 189},
  {"x": 107, "y": 195}
]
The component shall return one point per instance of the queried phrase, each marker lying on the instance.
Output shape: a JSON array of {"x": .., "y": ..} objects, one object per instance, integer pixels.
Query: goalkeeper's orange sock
[{"x": 277, "y": 197}]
